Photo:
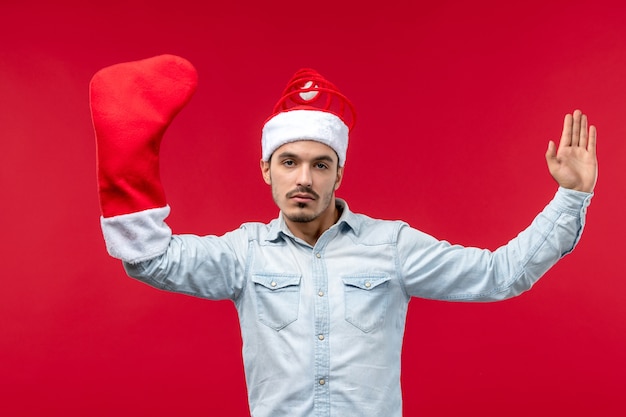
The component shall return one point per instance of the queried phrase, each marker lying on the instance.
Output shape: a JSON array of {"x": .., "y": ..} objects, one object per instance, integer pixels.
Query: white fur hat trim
[{"x": 295, "y": 125}]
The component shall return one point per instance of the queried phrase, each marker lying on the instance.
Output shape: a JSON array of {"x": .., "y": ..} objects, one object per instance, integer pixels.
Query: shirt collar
[{"x": 347, "y": 221}]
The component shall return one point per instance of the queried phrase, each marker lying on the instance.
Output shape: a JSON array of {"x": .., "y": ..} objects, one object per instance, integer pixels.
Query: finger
[
  {"x": 583, "y": 132},
  {"x": 591, "y": 147},
  {"x": 577, "y": 116},
  {"x": 566, "y": 136}
]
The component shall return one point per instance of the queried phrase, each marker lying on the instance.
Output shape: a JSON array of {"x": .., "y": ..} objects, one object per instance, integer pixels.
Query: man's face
[{"x": 304, "y": 176}]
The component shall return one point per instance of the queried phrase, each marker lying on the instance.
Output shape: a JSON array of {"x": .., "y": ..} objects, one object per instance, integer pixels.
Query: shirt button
[
  {"x": 320, "y": 337},
  {"x": 317, "y": 255},
  {"x": 273, "y": 284},
  {"x": 368, "y": 284},
  {"x": 322, "y": 382},
  {"x": 321, "y": 293}
]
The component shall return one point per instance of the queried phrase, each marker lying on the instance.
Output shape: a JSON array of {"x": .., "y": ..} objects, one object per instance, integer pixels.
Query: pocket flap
[
  {"x": 366, "y": 281},
  {"x": 276, "y": 281}
]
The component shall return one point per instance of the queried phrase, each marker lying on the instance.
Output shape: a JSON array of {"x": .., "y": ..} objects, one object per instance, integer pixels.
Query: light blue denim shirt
[{"x": 322, "y": 325}]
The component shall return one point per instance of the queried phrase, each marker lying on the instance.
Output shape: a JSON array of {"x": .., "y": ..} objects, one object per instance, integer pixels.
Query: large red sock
[{"x": 132, "y": 104}]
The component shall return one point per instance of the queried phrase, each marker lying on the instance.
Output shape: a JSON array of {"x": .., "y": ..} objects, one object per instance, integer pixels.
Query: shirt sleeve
[
  {"x": 209, "y": 267},
  {"x": 438, "y": 270}
]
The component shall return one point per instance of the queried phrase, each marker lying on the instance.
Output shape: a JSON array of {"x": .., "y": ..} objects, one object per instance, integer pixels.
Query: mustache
[{"x": 303, "y": 190}]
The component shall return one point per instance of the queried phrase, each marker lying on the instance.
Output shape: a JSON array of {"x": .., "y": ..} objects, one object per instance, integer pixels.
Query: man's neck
[{"x": 311, "y": 231}]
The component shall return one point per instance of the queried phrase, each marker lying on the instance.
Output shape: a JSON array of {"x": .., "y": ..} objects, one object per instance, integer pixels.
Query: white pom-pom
[{"x": 308, "y": 95}]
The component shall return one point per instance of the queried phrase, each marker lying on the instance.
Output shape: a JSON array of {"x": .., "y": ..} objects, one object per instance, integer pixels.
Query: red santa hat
[{"x": 310, "y": 108}]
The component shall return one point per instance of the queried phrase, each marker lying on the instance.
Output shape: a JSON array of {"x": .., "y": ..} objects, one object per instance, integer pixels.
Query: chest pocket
[
  {"x": 277, "y": 299},
  {"x": 366, "y": 299}
]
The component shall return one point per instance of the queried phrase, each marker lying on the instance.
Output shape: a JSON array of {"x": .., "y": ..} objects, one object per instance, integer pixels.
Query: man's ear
[
  {"x": 265, "y": 171},
  {"x": 339, "y": 178}
]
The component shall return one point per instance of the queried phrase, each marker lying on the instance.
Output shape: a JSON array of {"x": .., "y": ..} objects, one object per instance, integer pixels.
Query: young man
[{"x": 321, "y": 292}]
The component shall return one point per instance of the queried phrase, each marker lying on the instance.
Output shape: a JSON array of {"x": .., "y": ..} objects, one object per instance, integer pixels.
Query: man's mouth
[{"x": 302, "y": 196}]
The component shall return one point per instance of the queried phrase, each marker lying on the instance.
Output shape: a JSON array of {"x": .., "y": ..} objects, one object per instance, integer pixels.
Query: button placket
[{"x": 322, "y": 326}]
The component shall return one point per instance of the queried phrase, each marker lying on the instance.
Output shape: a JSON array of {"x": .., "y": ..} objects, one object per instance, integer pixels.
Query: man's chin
[
  {"x": 300, "y": 215},
  {"x": 301, "y": 218}
]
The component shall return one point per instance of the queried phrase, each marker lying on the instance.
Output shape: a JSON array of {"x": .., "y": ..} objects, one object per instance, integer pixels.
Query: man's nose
[{"x": 304, "y": 177}]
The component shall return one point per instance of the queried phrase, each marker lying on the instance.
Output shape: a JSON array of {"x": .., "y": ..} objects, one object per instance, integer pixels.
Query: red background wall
[{"x": 456, "y": 102}]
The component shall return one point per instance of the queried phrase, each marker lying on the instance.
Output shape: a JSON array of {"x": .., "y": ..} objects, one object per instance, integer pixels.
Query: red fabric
[
  {"x": 132, "y": 104},
  {"x": 309, "y": 90}
]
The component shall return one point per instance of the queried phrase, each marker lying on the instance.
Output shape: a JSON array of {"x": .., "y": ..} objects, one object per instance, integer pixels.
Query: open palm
[{"x": 574, "y": 164}]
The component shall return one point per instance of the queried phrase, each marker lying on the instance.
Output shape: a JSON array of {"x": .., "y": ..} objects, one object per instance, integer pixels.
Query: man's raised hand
[{"x": 574, "y": 164}]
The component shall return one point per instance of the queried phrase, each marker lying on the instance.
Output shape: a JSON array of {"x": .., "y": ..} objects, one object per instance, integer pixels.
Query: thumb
[
  {"x": 551, "y": 151},
  {"x": 551, "y": 159}
]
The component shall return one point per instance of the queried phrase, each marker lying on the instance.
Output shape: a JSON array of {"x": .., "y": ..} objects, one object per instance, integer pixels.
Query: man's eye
[
  {"x": 288, "y": 163},
  {"x": 321, "y": 165}
]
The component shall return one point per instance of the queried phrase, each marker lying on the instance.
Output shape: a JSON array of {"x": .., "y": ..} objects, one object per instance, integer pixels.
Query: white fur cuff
[{"x": 137, "y": 237}]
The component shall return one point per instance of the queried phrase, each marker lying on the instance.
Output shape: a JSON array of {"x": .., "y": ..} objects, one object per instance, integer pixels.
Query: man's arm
[
  {"x": 435, "y": 269},
  {"x": 438, "y": 270}
]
